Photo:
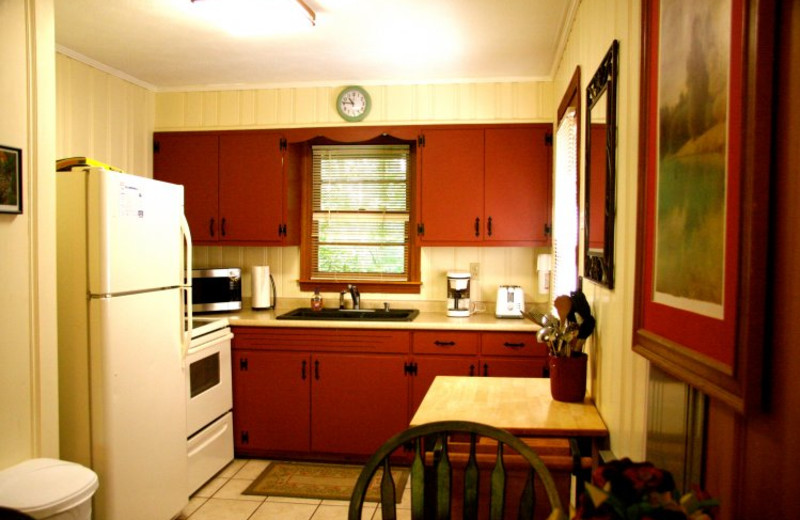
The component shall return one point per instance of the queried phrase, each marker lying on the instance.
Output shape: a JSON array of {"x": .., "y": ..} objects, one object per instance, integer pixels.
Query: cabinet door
[
  {"x": 271, "y": 401},
  {"x": 491, "y": 366},
  {"x": 517, "y": 185},
  {"x": 452, "y": 186},
  {"x": 250, "y": 187},
  {"x": 428, "y": 367},
  {"x": 358, "y": 401},
  {"x": 192, "y": 161}
]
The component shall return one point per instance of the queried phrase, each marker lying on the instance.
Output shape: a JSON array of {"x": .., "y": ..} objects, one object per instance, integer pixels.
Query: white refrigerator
[{"x": 124, "y": 252}]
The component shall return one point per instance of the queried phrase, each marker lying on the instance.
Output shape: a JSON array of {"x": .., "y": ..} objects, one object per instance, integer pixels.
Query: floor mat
[{"x": 324, "y": 481}]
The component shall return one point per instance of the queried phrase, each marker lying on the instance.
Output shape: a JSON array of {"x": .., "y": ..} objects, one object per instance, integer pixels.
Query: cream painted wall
[
  {"x": 28, "y": 349},
  {"x": 392, "y": 105},
  {"x": 103, "y": 117},
  {"x": 619, "y": 377}
]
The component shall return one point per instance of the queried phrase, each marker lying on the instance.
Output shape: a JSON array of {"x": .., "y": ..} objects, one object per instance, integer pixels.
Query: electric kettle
[{"x": 510, "y": 301}]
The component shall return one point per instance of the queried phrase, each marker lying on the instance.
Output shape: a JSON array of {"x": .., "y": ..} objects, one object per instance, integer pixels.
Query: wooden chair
[{"x": 432, "y": 476}]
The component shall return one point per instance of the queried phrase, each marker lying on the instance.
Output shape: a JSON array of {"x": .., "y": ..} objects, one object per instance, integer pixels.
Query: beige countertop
[{"x": 427, "y": 319}]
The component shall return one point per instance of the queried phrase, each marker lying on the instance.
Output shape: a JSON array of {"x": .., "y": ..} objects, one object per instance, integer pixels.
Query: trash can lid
[{"x": 44, "y": 487}]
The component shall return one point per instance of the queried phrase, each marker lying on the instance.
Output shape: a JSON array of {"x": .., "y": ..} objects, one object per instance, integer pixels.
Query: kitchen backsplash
[{"x": 498, "y": 266}]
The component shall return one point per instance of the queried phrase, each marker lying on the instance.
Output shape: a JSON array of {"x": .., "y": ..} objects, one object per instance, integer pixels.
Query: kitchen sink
[{"x": 306, "y": 313}]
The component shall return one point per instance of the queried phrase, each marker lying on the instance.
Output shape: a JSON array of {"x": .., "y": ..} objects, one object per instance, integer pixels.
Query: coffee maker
[{"x": 458, "y": 304}]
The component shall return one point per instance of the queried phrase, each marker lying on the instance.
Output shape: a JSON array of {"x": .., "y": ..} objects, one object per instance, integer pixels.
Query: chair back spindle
[{"x": 431, "y": 476}]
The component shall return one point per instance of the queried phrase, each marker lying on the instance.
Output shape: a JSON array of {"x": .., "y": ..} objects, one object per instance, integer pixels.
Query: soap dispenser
[{"x": 316, "y": 301}]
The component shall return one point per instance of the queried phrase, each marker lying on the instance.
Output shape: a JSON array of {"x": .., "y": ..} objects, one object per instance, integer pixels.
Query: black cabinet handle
[
  {"x": 444, "y": 343},
  {"x": 513, "y": 345},
  {"x": 316, "y": 369},
  {"x": 477, "y": 226},
  {"x": 485, "y": 369},
  {"x": 211, "y": 227},
  {"x": 489, "y": 224},
  {"x": 223, "y": 226},
  {"x": 304, "y": 370}
]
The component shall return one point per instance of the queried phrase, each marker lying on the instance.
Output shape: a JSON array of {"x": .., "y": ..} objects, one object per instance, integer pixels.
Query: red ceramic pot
[{"x": 568, "y": 377}]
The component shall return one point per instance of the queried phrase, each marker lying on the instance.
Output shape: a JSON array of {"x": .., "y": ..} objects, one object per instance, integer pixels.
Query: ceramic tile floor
[{"x": 222, "y": 499}]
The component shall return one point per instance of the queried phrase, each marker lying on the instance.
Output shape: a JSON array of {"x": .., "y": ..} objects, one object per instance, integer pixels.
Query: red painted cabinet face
[
  {"x": 452, "y": 186},
  {"x": 517, "y": 184},
  {"x": 191, "y": 160},
  {"x": 270, "y": 401},
  {"x": 235, "y": 189},
  {"x": 485, "y": 185},
  {"x": 358, "y": 401},
  {"x": 250, "y": 187}
]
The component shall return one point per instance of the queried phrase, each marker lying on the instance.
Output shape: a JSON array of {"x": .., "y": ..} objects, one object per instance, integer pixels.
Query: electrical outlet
[{"x": 475, "y": 270}]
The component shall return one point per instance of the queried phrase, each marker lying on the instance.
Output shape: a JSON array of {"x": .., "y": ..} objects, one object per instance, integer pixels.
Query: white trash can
[{"x": 49, "y": 489}]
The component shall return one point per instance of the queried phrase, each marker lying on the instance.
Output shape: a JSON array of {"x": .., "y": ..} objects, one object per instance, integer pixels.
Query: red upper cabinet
[
  {"x": 251, "y": 187},
  {"x": 235, "y": 185},
  {"x": 485, "y": 185},
  {"x": 451, "y": 186},
  {"x": 517, "y": 184},
  {"x": 192, "y": 160}
]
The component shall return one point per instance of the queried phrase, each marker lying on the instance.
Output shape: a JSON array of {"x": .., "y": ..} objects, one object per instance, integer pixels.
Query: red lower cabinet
[
  {"x": 315, "y": 392},
  {"x": 358, "y": 401},
  {"x": 271, "y": 393},
  {"x": 334, "y": 393}
]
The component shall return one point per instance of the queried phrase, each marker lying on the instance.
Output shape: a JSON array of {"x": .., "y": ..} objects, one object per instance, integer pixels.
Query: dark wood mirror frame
[{"x": 600, "y": 172}]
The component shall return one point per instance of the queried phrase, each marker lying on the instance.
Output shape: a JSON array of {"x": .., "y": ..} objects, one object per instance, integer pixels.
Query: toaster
[{"x": 510, "y": 301}]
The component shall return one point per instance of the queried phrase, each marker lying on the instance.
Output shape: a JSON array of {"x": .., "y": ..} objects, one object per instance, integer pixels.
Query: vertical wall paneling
[
  {"x": 106, "y": 118},
  {"x": 229, "y": 109},
  {"x": 618, "y": 376}
]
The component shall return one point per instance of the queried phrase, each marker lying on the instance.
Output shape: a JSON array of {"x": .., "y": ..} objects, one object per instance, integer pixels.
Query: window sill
[{"x": 363, "y": 286}]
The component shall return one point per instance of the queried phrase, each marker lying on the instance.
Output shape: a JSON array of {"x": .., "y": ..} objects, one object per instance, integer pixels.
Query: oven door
[{"x": 208, "y": 381}]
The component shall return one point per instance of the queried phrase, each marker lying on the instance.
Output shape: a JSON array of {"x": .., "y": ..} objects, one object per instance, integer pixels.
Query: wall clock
[{"x": 353, "y": 103}]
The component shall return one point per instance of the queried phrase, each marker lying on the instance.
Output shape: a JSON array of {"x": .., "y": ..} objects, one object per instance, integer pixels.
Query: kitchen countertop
[{"x": 426, "y": 320}]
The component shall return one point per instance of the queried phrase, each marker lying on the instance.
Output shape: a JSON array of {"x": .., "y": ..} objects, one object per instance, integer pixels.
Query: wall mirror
[{"x": 600, "y": 171}]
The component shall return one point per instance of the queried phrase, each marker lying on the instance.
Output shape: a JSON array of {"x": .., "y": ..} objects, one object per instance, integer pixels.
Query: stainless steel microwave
[{"x": 216, "y": 290}]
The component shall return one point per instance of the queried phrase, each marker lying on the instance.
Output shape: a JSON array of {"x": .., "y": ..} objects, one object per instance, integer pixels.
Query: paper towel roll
[{"x": 262, "y": 296}]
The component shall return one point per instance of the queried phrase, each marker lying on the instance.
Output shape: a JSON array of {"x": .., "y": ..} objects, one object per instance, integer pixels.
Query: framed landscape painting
[
  {"x": 703, "y": 193},
  {"x": 10, "y": 180}
]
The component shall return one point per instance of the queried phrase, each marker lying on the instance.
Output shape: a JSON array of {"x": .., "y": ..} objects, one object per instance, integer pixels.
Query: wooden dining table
[{"x": 523, "y": 406}]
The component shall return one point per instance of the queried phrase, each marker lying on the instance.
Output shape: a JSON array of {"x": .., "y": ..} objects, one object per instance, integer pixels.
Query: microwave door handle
[{"x": 186, "y": 286}]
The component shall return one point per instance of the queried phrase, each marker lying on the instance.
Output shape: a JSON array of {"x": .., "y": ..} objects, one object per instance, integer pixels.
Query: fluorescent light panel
[{"x": 257, "y": 17}]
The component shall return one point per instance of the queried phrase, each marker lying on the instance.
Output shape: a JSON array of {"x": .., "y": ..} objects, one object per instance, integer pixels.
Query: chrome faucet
[{"x": 354, "y": 294}]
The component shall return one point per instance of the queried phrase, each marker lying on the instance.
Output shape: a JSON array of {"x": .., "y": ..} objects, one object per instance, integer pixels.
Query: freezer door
[
  {"x": 138, "y": 405},
  {"x": 134, "y": 233}
]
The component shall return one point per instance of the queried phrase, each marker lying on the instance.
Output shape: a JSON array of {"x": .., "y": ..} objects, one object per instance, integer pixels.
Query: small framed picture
[{"x": 10, "y": 180}]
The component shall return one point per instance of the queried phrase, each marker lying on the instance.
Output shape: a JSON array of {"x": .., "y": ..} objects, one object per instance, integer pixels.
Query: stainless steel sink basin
[{"x": 308, "y": 314}]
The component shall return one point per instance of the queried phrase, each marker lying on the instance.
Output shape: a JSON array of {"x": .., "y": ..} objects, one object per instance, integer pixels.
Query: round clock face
[{"x": 353, "y": 103}]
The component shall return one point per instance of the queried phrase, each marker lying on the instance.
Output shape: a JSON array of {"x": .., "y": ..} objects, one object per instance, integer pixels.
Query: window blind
[
  {"x": 360, "y": 212},
  {"x": 565, "y": 208}
]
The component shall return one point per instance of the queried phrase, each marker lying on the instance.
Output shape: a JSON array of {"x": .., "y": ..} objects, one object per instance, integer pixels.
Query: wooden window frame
[
  {"x": 413, "y": 284},
  {"x": 570, "y": 100}
]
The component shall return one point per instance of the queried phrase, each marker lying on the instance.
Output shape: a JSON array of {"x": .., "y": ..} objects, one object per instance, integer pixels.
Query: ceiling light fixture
[{"x": 256, "y": 17}]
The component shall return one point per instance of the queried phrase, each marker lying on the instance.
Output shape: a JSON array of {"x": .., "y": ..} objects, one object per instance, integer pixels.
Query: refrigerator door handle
[{"x": 186, "y": 297}]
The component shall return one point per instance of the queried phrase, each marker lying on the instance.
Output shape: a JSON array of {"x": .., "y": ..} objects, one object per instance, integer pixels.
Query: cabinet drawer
[
  {"x": 445, "y": 342},
  {"x": 511, "y": 344},
  {"x": 321, "y": 340}
]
